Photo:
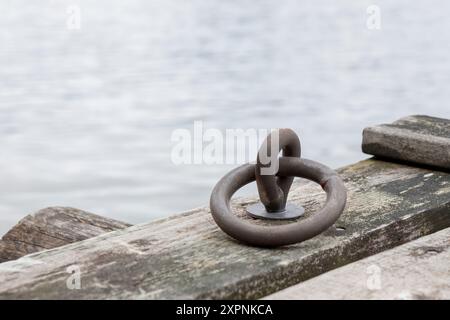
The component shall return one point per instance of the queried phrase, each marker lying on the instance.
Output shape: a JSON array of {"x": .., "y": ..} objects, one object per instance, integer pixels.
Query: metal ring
[
  {"x": 273, "y": 190},
  {"x": 279, "y": 235}
]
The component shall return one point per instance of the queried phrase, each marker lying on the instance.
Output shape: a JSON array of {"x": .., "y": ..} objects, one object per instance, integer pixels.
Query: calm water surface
[{"x": 86, "y": 115}]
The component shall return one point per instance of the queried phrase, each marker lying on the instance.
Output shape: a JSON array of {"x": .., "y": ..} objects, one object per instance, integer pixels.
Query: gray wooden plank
[
  {"x": 188, "y": 256},
  {"x": 417, "y": 139},
  {"x": 53, "y": 227},
  {"x": 419, "y": 269}
]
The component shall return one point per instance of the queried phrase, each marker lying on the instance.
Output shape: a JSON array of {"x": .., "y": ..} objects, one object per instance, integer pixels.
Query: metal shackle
[{"x": 273, "y": 190}]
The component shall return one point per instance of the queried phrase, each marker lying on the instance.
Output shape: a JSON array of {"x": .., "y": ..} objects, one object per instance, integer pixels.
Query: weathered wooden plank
[
  {"x": 418, "y": 139},
  {"x": 53, "y": 227},
  {"x": 188, "y": 256},
  {"x": 419, "y": 269}
]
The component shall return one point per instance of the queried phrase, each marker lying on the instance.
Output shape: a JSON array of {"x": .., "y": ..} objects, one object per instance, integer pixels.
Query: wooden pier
[{"x": 390, "y": 205}]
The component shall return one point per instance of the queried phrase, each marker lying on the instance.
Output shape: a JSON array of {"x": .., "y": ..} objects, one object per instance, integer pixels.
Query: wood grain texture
[
  {"x": 417, "y": 139},
  {"x": 188, "y": 256},
  {"x": 53, "y": 227},
  {"x": 419, "y": 269}
]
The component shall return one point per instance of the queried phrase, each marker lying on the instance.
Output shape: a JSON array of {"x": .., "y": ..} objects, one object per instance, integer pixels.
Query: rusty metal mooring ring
[{"x": 278, "y": 235}]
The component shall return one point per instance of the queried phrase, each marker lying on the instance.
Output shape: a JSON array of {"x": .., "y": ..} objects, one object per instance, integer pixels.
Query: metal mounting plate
[{"x": 291, "y": 211}]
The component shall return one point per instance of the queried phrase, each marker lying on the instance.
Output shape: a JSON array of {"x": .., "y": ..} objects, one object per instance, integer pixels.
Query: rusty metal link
[{"x": 274, "y": 190}]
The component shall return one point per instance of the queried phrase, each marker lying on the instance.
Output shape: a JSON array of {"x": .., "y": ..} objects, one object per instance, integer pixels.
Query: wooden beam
[
  {"x": 417, "y": 139},
  {"x": 419, "y": 269},
  {"x": 53, "y": 227},
  {"x": 188, "y": 256}
]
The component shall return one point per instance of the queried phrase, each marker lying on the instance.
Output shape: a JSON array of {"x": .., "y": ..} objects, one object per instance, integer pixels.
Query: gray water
[{"x": 86, "y": 115}]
